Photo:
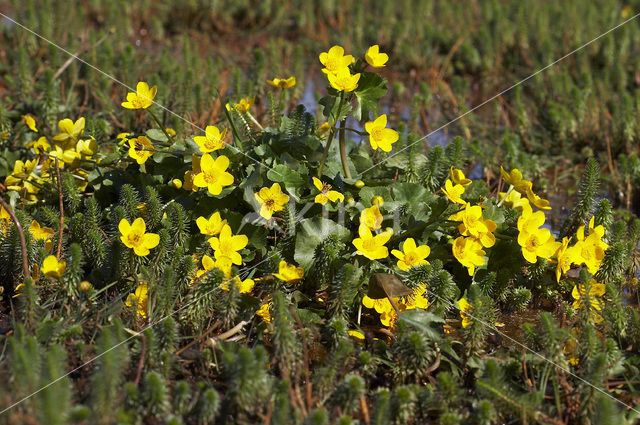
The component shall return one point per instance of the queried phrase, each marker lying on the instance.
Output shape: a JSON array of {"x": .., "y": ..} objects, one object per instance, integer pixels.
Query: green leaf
[
  {"x": 330, "y": 110},
  {"x": 283, "y": 174},
  {"x": 371, "y": 88},
  {"x": 425, "y": 322},
  {"x": 312, "y": 233},
  {"x": 155, "y": 134}
]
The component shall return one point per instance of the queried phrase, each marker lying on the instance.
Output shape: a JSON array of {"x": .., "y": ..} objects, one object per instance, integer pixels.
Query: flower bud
[
  {"x": 377, "y": 200},
  {"x": 84, "y": 286},
  {"x": 359, "y": 184}
]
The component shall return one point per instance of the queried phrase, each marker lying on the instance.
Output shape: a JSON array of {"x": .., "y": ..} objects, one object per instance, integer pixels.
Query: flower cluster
[{"x": 388, "y": 314}]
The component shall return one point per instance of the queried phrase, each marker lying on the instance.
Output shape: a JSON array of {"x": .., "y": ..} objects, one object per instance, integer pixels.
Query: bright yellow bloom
[
  {"x": 412, "y": 256},
  {"x": 535, "y": 242},
  {"x": 139, "y": 300},
  {"x": 468, "y": 251},
  {"x": 356, "y": 334},
  {"x": 388, "y": 315},
  {"x": 227, "y": 245},
  {"x": 5, "y": 219},
  {"x": 371, "y": 246},
  {"x": 265, "y": 311},
  {"x": 565, "y": 256},
  {"x": 590, "y": 299},
  {"x": 590, "y": 249},
  {"x": 375, "y": 58},
  {"x": 342, "y": 80},
  {"x": 289, "y": 273},
  {"x": 371, "y": 217},
  {"x": 543, "y": 204},
  {"x": 458, "y": 177},
  {"x": 515, "y": 179},
  {"x": 513, "y": 200},
  {"x": 465, "y": 308},
  {"x": 70, "y": 130},
  {"x": 140, "y": 149},
  {"x": 214, "y": 174},
  {"x": 244, "y": 105},
  {"x": 51, "y": 267},
  {"x": 65, "y": 155},
  {"x": 87, "y": 147},
  {"x": 380, "y": 136},
  {"x": 334, "y": 60},
  {"x": 39, "y": 146},
  {"x": 212, "y": 140},
  {"x": 283, "y": 83},
  {"x": 454, "y": 192},
  {"x": 134, "y": 236},
  {"x": 473, "y": 225},
  {"x": 189, "y": 175},
  {"x": 326, "y": 194},
  {"x": 40, "y": 233},
  {"x": 211, "y": 226},
  {"x": 324, "y": 128},
  {"x": 244, "y": 286},
  {"x": 30, "y": 122},
  {"x": 377, "y": 201},
  {"x": 272, "y": 200},
  {"x": 223, "y": 264},
  {"x": 170, "y": 131},
  {"x": 142, "y": 98}
]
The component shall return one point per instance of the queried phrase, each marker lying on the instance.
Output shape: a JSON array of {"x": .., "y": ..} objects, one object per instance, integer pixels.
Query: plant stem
[
  {"x": 331, "y": 136},
  {"x": 343, "y": 150},
  {"x": 159, "y": 124}
]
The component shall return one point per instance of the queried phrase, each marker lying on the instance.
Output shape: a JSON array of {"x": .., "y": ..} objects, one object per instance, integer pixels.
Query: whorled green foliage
[
  {"x": 285, "y": 337},
  {"x": 583, "y": 207},
  {"x": 248, "y": 382}
]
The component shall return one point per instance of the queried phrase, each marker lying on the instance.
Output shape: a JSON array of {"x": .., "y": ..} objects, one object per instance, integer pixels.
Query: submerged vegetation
[{"x": 196, "y": 230}]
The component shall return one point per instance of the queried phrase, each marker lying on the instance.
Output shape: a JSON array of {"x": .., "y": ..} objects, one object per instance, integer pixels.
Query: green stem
[
  {"x": 255, "y": 121},
  {"x": 331, "y": 136},
  {"x": 343, "y": 150},
  {"x": 159, "y": 124}
]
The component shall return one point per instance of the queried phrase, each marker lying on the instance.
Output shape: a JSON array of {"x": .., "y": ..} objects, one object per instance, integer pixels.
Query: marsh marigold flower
[
  {"x": 334, "y": 60},
  {"x": 589, "y": 298},
  {"x": 51, "y": 267},
  {"x": 535, "y": 241},
  {"x": 454, "y": 192},
  {"x": 371, "y": 246},
  {"x": 211, "y": 226},
  {"x": 458, "y": 177},
  {"x": 142, "y": 98},
  {"x": 380, "y": 136},
  {"x": 227, "y": 245},
  {"x": 244, "y": 105},
  {"x": 468, "y": 251},
  {"x": 212, "y": 140},
  {"x": 244, "y": 286},
  {"x": 375, "y": 58},
  {"x": 39, "y": 146},
  {"x": 513, "y": 199},
  {"x": 371, "y": 217},
  {"x": 283, "y": 83},
  {"x": 214, "y": 175},
  {"x": 514, "y": 178},
  {"x": 590, "y": 249},
  {"x": 412, "y": 256},
  {"x": 289, "y": 273},
  {"x": 40, "y": 233},
  {"x": 465, "y": 309},
  {"x": 537, "y": 201},
  {"x": 474, "y": 225},
  {"x": 30, "y": 122},
  {"x": 326, "y": 194},
  {"x": 271, "y": 200},
  {"x": 342, "y": 80},
  {"x": 139, "y": 299},
  {"x": 140, "y": 149},
  {"x": 70, "y": 130},
  {"x": 265, "y": 311},
  {"x": 134, "y": 236}
]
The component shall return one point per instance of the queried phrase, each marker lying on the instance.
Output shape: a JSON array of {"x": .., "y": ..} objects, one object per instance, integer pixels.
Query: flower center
[
  {"x": 269, "y": 203},
  {"x": 325, "y": 188},
  {"x": 135, "y": 238},
  {"x": 411, "y": 258},
  {"x": 210, "y": 178},
  {"x": 376, "y": 133},
  {"x": 369, "y": 245}
]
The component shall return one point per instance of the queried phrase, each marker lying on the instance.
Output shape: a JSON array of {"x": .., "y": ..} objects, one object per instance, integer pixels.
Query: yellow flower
[
  {"x": 473, "y": 225},
  {"x": 39, "y": 146},
  {"x": 65, "y": 155},
  {"x": 543, "y": 204},
  {"x": 371, "y": 217},
  {"x": 170, "y": 131},
  {"x": 380, "y": 136},
  {"x": 334, "y": 60},
  {"x": 356, "y": 334},
  {"x": 244, "y": 286},
  {"x": 590, "y": 250},
  {"x": 272, "y": 200},
  {"x": 326, "y": 194},
  {"x": 513, "y": 199},
  {"x": 458, "y": 177},
  {"x": 139, "y": 300},
  {"x": 465, "y": 308},
  {"x": 289, "y": 273},
  {"x": 412, "y": 256},
  {"x": 87, "y": 147},
  {"x": 515, "y": 179},
  {"x": 371, "y": 246},
  {"x": 51, "y": 267},
  {"x": 70, "y": 130},
  {"x": 214, "y": 174},
  {"x": 377, "y": 201},
  {"x": 84, "y": 286},
  {"x": 589, "y": 298},
  {"x": 388, "y": 314},
  {"x": 142, "y": 98},
  {"x": 227, "y": 245},
  {"x": 212, "y": 141},
  {"x": 5, "y": 219},
  {"x": 375, "y": 58},
  {"x": 30, "y": 122},
  {"x": 134, "y": 236},
  {"x": 342, "y": 80},
  {"x": 211, "y": 226},
  {"x": 40, "y": 233},
  {"x": 283, "y": 83},
  {"x": 324, "y": 128},
  {"x": 468, "y": 251},
  {"x": 265, "y": 311},
  {"x": 244, "y": 105},
  {"x": 565, "y": 256},
  {"x": 535, "y": 242},
  {"x": 454, "y": 192},
  {"x": 140, "y": 149}
]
